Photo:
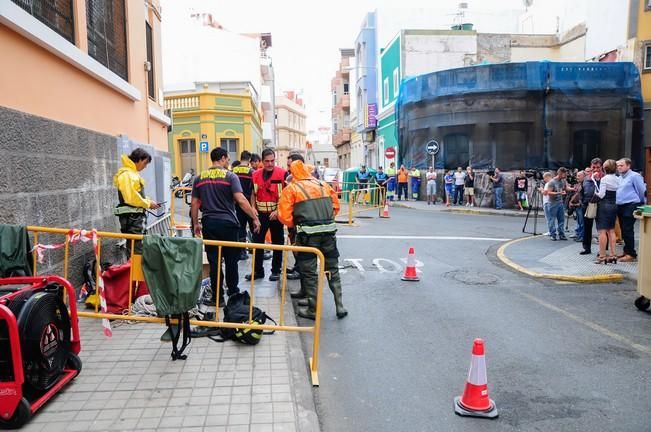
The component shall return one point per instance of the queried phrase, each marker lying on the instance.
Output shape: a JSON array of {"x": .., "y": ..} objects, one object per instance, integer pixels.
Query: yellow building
[
  {"x": 640, "y": 33},
  {"x": 213, "y": 115}
]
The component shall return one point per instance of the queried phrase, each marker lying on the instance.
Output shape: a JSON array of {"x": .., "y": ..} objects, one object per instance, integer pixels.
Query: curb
[
  {"x": 610, "y": 277},
  {"x": 466, "y": 211},
  {"x": 306, "y": 415}
]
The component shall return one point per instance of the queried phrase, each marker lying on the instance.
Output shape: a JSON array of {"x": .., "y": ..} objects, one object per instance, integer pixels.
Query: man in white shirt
[{"x": 459, "y": 181}]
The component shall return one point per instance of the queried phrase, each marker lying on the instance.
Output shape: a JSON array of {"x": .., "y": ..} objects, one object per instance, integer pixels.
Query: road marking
[
  {"x": 399, "y": 237},
  {"x": 594, "y": 326},
  {"x": 377, "y": 263}
]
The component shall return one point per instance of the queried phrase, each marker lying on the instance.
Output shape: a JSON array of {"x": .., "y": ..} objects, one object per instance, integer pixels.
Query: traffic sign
[
  {"x": 203, "y": 146},
  {"x": 432, "y": 147},
  {"x": 390, "y": 152}
]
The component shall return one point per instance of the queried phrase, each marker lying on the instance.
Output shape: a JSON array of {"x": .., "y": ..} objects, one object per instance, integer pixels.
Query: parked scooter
[{"x": 187, "y": 181}]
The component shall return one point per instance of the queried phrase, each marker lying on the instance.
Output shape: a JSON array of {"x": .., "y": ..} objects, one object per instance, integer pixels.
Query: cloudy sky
[{"x": 307, "y": 34}]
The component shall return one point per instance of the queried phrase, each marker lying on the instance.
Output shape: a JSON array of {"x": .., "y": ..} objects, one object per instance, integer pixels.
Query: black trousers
[
  {"x": 587, "y": 230},
  {"x": 133, "y": 223},
  {"x": 218, "y": 229},
  {"x": 244, "y": 221},
  {"x": 277, "y": 238},
  {"x": 627, "y": 223}
]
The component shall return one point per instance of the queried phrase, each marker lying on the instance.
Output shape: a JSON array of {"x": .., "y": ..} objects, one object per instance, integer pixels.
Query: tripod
[{"x": 535, "y": 205}]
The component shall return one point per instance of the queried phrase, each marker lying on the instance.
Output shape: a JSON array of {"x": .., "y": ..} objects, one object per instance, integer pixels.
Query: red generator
[{"x": 39, "y": 344}]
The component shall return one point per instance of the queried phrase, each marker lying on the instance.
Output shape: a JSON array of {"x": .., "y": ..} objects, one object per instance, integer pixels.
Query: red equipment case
[{"x": 39, "y": 344}]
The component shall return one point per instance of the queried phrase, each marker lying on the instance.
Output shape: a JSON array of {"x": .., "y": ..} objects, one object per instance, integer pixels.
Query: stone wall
[{"x": 57, "y": 175}]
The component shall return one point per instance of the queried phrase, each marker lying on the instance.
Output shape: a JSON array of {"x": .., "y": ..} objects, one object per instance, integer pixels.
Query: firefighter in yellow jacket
[
  {"x": 310, "y": 205},
  {"x": 131, "y": 194}
]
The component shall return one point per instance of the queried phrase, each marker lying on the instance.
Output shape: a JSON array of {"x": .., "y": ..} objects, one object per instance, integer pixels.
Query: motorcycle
[{"x": 186, "y": 181}]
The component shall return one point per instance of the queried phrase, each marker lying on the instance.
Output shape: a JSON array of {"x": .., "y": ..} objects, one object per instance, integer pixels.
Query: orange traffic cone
[
  {"x": 385, "y": 212},
  {"x": 475, "y": 401},
  {"x": 410, "y": 271}
]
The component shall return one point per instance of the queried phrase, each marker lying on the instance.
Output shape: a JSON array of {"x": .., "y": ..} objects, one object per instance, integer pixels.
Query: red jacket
[{"x": 267, "y": 191}]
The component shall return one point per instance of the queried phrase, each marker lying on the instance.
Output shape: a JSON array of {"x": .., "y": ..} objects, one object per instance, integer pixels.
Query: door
[{"x": 188, "y": 151}]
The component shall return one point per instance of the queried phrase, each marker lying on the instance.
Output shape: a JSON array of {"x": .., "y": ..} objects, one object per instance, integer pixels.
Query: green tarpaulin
[
  {"x": 15, "y": 256},
  {"x": 172, "y": 269}
]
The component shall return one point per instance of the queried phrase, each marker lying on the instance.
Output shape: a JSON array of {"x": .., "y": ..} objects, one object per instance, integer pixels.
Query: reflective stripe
[
  {"x": 477, "y": 373},
  {"x": 267, "y": 206},
  {"x": 120, "y": 210},
  {"x": 317, "y": 229}
]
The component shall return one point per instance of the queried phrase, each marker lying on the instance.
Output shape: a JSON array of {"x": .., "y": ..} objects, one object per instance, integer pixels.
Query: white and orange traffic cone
[
  {"x": 475, "y": 401},
  {"x": 385, "y": 212},
  {"x": 410, "y": 271}
]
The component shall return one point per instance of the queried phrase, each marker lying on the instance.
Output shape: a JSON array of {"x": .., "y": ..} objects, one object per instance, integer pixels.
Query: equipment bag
[
  {"x": 237, "y": 311},
  {"x": 172, "y": 269}
]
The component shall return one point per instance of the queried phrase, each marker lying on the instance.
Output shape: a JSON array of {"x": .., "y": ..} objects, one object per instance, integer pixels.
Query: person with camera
[
  {"x": 556, "y": 190},
  {"x": 469, "y": 187},
  {"x": 498, "y": 187}
]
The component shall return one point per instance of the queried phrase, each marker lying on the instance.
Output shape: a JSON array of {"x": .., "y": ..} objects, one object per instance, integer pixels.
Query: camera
[
  {"x": 491, "y": 172},
  {"x": 536, "y": 174}
]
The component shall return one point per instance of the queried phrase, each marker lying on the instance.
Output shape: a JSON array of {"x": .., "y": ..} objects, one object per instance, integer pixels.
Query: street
[{"x": 560, "y": 356}]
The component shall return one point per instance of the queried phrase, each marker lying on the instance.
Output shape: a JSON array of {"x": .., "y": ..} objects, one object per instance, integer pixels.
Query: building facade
[
  {"x": 365, "y": 93},
  {"x": 213, "y": 115},
  {"x": 320, "y": 150},
  {"x": 290, "y": 123},
  {"x": 74, "y": 97},
  {"x": 341, "y": 124}
]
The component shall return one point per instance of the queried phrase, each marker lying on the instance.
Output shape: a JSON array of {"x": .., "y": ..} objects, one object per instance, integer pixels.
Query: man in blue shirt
[{"x": 630, "y": 195}]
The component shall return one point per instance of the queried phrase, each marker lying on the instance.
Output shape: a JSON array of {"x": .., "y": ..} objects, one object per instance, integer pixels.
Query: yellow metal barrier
[
  {"x": 136, "y": 275},
  {"x": 174, "y": 226},
  {"x": 370, "y": 197}
]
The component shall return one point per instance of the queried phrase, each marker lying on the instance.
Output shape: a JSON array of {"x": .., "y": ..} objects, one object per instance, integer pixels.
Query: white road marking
[
  {"x": 400, "y": 237},
  {"x": 396, "y": 267}
]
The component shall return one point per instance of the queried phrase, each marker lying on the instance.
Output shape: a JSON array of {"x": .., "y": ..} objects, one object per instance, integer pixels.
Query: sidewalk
[
  {"x": 129, "y": 382},
  {"x": 540, "y": 257},
  {"x": 440, "y": 207}
]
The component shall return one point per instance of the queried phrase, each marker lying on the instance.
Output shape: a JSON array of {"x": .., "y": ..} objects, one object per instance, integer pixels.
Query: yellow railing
[
  {"x": 136, "y": 275},
  {"x": 362, "y": 198},
  {"x": 174, "y": 226}
]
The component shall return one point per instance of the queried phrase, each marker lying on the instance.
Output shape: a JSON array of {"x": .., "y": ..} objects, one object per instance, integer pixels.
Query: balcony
[
  {"x": 181, "y": 102},
  {"x": 344, "y": 102},
  {"x": 341, "y": 137}
]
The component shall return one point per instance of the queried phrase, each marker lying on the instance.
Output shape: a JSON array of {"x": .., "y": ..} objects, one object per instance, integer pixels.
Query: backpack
[{"x": 237, "y": 311}]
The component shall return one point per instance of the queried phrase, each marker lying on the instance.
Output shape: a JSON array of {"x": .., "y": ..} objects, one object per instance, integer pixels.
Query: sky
[{"x": 307, "y": 35}]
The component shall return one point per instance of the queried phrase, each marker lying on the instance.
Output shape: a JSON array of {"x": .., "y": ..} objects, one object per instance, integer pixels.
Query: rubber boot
[
  {"x": 339, "y": 305},
  {"x": 306, "y": 312},
  {"x": 302, "y": 302}
]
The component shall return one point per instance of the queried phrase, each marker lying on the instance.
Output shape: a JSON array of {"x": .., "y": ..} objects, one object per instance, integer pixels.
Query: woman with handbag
[{"x": 606, "y": 190}]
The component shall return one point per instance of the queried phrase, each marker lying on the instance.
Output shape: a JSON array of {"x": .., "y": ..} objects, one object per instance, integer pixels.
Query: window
[
  {"x": 386, "y": 91},
  {"x": 334, "y": 98},
  {"x": 346, "y": 85},
  {"x": 396, "y": 82},
  {"x": 56, "y": 14},
  {"x": 587, "y": 143},
  {"x": 151, "y": 87},
  {"x": 187, "y": 146},
  {"x": 107, "y": 34},
  {"x": 647, "y": 57},
  {"x": 230, "y": 145}
]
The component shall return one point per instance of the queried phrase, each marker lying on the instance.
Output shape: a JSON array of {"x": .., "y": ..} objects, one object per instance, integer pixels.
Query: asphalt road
[{"x": 561, "y": 357}]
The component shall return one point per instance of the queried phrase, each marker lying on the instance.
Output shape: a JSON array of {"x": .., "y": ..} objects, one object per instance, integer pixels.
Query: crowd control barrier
[
  {"x": 359, "y": 199},
  {"x": 74, "y": 236}
]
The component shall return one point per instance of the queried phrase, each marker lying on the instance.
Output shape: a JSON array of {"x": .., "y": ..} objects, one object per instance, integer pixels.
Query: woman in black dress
[{"x": 607, "y": 212}]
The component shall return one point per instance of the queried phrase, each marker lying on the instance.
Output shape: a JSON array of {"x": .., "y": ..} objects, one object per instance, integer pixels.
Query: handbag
[{"x": 591, "y": 211}]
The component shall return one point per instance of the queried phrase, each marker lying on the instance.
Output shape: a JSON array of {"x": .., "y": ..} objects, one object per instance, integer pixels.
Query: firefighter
[
  {"x": 131, "y": 195},
  {"x": 268, "y": 183},
  {"x": 310, "y": 205}
]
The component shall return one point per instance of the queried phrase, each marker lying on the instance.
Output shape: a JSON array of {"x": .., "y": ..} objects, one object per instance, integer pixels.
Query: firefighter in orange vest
[
  {"x": 310, "y": 205},
  {"x": 268, "y": 183}
]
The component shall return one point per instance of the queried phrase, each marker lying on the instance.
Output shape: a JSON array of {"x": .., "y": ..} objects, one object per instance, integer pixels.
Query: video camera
[
  {"x": 491, "y": 172},
  {"x": 535, "y": 173}
]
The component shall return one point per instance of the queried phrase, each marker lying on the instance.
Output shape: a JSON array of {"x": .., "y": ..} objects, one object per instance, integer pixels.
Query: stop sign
[{"x": 390, "y": 153}]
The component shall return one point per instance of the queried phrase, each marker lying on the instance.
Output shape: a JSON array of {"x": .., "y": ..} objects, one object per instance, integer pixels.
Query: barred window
[
  {"x": 56, "y": 14},
  {"x": 107, "y": 34},
  {"x": 151, "y": 88}
]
